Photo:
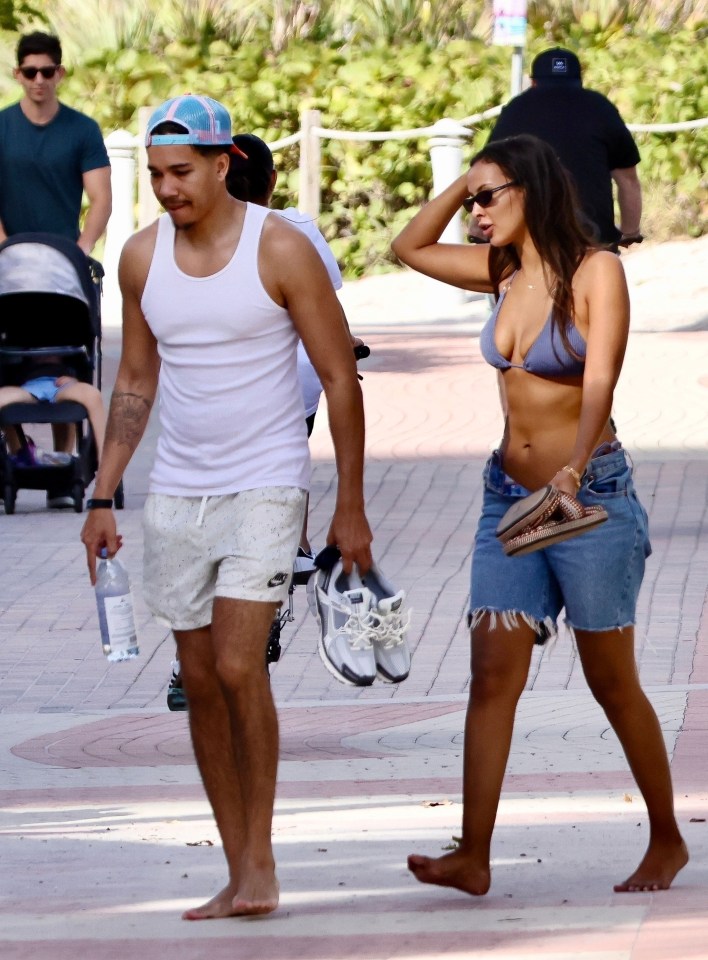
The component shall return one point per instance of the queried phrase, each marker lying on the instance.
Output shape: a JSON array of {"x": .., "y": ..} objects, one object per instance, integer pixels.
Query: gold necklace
[{"x": 531, "y": 286}]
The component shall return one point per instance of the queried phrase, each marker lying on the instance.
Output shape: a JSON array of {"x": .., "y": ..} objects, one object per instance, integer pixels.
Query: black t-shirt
[{"x": 588, "y": 135}]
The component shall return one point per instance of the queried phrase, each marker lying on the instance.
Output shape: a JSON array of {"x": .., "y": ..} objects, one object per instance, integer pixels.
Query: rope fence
[{"x": 446, "y": 139}]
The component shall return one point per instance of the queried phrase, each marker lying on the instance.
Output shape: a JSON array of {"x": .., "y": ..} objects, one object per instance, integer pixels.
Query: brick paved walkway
[{"x": 105, "y": 831}]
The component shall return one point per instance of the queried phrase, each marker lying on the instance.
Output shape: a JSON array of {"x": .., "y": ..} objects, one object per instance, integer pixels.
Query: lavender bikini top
[{"x": 547, "y": 355}]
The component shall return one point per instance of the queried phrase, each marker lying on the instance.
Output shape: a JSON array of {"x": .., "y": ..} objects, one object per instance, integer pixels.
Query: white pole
[
  {"x": 148, "y": 207},
  {"x": 446, "y": 158},
  {"x": 310, "y": 163},
  {"x": 121, "y": 151},
  {"x": 517, "y": 71}
]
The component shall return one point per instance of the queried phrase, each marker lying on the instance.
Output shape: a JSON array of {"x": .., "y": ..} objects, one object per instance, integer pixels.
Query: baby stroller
[{"x": 49, "y": 308}]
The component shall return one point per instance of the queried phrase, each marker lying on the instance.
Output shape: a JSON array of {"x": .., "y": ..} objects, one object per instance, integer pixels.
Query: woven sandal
[{"x": 545, "y": 517}]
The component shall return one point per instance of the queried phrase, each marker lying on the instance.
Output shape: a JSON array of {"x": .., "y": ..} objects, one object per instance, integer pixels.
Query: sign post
[{"x": 510, "y": 31}]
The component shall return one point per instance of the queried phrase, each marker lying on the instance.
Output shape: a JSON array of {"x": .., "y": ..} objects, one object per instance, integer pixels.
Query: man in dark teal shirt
[{"x": 50, "y": 154}]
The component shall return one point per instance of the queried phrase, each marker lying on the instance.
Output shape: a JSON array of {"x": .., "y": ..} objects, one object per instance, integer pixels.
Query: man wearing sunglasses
[{"x": 50, "y": 154}]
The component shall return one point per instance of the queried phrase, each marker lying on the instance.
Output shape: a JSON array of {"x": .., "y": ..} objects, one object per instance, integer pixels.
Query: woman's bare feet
[
  {"x": 660, "y": 864},
  {"x": 457, "y": 869}
]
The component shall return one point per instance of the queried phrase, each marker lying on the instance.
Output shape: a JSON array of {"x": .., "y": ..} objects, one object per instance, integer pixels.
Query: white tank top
[
  {"x": 231, "y": 413},
  {"x": 310, "y": 385}
]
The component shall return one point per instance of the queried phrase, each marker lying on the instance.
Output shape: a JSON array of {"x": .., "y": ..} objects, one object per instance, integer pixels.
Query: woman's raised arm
[{"x": 418, "y": 246}]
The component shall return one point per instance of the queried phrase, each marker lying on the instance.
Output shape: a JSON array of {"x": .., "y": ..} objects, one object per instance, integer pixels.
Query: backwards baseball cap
[
  {"x": 207, "y": 123},
  {"x": 556, "y": 64}
]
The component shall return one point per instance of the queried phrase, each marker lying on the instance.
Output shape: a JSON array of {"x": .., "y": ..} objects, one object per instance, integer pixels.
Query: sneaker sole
[
  {"x": 387, "y": 679},
  {"x": 330, "y": 667}
]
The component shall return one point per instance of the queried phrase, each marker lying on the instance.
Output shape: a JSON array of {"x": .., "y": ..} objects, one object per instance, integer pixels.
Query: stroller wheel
[
  {"x": 273, "y": 648},
  {"x": 77, "y": 494},
  {"x": 9, "y": 498}
]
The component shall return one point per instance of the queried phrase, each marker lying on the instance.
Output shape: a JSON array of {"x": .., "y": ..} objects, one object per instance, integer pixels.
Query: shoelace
[
  {"x": 360, "y": 626},
  {"x": 391, "y": 628}
]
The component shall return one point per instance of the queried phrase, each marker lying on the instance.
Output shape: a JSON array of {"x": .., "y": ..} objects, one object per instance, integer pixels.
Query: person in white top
[
  {"x": 252, "y": 177},
  {"x": 216, "y": 295}
]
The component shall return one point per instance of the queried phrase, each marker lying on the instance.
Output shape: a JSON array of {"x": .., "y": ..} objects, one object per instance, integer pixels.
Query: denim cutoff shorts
[{"x": 595, "y": 576}]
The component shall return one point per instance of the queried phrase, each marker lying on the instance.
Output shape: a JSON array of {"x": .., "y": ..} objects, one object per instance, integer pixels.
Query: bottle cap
[{"x": 103, "y": 553}]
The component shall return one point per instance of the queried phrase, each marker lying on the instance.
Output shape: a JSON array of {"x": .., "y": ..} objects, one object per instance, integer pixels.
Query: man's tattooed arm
[{"x": 127, "y": 418}]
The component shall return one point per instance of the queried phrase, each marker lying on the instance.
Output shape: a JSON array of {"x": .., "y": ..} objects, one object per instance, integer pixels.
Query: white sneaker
[
  {"x": 341, "y": 605},
  {"x": 391, "y": 622}
]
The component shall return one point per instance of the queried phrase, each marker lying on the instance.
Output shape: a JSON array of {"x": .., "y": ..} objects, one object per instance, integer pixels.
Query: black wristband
[{"x": 99, "y": 504}]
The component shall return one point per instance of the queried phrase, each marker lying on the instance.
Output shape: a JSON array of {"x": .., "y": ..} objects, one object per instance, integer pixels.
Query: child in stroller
[
  {"x": 51, "y": 380},
  {"x": 50, "y": 365}
]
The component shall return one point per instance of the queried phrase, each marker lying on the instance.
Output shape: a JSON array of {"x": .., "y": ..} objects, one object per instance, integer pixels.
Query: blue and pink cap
[{"x": 206, "y": 122}]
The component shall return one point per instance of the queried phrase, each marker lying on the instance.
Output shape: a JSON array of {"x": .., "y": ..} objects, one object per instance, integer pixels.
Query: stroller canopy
[{"x": 46, "y": 265}]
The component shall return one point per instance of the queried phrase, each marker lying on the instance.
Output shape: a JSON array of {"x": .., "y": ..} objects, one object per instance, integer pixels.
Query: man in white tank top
[{"x": 216, "y": 294}]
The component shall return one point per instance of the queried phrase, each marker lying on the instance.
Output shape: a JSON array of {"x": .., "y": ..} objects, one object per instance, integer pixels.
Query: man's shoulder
[
  {"x": 598, "y": 100},
  {"x": 282, "y": 229},
  {"x": 143, "y": 239},
  {"x": 69, "y": 116},
  {"x": 138, "y": 250},
  {"x": 8, "y": 114}
]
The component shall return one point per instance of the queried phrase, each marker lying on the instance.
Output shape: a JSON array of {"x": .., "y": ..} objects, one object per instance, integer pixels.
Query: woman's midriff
[{"x": 541, "y": 426}]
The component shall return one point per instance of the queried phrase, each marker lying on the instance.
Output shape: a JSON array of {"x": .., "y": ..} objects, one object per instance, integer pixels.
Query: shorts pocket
[{"x": 609, "y": 485}]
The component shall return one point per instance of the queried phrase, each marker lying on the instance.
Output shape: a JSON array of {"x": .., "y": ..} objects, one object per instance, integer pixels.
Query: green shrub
[{"x": 370, "y": 190}]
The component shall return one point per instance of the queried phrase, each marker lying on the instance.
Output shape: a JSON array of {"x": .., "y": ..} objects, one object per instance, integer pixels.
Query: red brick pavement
[{"x": 365, "y": 766}]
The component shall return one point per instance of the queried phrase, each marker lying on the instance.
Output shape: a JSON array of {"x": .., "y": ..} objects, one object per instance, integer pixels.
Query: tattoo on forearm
[{"x": 127, "y": 417}]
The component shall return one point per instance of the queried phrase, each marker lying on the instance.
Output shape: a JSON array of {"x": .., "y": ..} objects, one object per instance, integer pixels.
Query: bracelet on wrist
[
  {"x": 574, "y": 474},
  {"x": 98, "y": 504}
]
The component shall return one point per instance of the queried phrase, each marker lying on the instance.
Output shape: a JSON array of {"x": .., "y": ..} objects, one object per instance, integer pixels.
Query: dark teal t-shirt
[{"x": 42, "y": 168}]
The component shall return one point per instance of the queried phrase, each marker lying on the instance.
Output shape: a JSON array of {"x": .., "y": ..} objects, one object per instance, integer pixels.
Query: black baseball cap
[{"x": 556, "y": 64}]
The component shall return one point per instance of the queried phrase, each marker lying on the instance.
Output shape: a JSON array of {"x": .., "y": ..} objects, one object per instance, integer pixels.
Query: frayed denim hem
[
  {"x": 621, "y": 626},
  {"x": 545, "y": 629}
]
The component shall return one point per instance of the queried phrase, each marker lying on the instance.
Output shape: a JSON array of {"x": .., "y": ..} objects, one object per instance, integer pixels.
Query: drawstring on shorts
[{"x": 202, "y": 508}]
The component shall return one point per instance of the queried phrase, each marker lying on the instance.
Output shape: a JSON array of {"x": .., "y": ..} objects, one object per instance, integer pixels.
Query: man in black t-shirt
[{"x": 589, "y": 137}]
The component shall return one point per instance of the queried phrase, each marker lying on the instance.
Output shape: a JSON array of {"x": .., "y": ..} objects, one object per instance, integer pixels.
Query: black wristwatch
[{"x": 94, "y": 504}]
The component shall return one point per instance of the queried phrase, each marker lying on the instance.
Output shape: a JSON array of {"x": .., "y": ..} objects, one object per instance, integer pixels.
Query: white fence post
[
  {"x": 121, "y": 151},
  {"x": 310, "y": 163},
  {"x": 148, "y": 207},
  {"x": 446, "y": 158}
]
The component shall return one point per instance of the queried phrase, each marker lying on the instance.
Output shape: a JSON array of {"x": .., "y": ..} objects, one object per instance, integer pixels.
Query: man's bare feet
[
  {"x": 660, "y": 864},
  {"x": 457, "y": 869},
  {"x": 215, "y": 909},
  {"x": 258, "y": 893}
]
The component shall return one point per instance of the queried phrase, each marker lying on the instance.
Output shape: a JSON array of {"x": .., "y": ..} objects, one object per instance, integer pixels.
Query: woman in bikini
[{"x": 557, "y": 338}]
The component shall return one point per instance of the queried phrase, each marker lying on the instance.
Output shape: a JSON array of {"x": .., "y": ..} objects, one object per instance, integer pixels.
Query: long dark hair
[{"x": 553, "y": 217}]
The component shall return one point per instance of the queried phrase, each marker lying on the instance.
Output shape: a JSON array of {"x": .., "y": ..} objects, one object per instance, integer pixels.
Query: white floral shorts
[{"x": 238, "y": 545}]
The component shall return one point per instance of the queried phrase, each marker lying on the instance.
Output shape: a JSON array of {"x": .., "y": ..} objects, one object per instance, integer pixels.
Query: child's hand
[{"x": 64, "y": 381}]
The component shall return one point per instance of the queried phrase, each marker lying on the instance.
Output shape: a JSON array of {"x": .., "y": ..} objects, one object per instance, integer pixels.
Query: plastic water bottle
[{"x": 115, "y": 609}]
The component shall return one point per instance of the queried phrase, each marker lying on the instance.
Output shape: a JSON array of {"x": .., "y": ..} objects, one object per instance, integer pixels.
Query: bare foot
[
  {"x": 657, "y": 870},
  {"x": 457, "y": 869},
  {"x": 258, "y": 893},
  {"x": 216, "y": 908}
]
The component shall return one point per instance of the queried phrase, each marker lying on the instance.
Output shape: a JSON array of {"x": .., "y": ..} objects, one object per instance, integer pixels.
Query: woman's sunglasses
[
  {"x": 29, "y": 73},
  {"x": 485, "y": 197}
]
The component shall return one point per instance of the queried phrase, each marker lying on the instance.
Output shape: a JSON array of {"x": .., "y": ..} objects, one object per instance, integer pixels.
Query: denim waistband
[{"x": 607, "y": 459}]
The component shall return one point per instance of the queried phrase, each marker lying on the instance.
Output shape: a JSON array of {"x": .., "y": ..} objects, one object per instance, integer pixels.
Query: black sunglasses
[
  {"x": 29, "y": 73},
  {"x": 485, "y": 197}
]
